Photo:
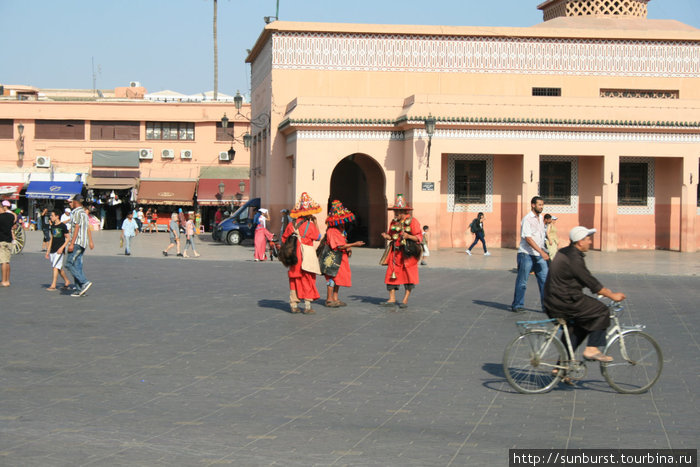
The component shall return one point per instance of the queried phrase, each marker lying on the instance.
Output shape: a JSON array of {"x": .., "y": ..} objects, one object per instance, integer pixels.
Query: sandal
[
  {"x": 332, "y": 304},
  {"x": 340, "y": 303},
  {"x": 295, "y": 309},
  {"x": 387, "y": 304},
  {"x": 599, "y": 357}
]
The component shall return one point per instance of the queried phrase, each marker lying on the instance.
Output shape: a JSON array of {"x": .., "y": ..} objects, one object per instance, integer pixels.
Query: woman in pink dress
[
  {"x": 262, "y": 235},
  {"x": 336, "y": 237}
]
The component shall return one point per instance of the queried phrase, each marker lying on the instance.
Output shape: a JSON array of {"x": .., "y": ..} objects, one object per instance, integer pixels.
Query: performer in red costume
[{"x": 405, "y": 237}]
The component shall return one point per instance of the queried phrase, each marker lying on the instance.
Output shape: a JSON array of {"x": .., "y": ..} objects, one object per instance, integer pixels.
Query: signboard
[{"x": 428, "y": 186}]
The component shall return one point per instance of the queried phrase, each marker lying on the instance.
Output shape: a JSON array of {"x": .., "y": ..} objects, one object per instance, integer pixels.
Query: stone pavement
[{"x": 181, "y": 362}]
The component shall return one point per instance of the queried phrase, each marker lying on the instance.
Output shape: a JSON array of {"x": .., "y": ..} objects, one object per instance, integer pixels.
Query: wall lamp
[
  {"x": 430, "y": 130},
  {"x": 20, "y": 151}
]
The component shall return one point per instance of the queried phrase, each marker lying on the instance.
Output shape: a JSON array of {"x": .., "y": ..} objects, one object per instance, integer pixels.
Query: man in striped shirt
[{"x": 81, "y": 238}]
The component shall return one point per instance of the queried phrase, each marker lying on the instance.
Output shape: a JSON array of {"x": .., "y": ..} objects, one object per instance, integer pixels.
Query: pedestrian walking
[
  {"x": 45, "y": 228},
  {"x": 477, "y": 228},
  {"x": 81, "y": 238},
  {"x": 140, "y": 219},
  {"x": 7, "y": 238},
  {"x": 336, "y": 238},
  {"x": 57, "y": 250},
  {"x": 174, "y": 230},
  {"x": 302, "y": 283},
  {"x": 551, "y": 241},
  {"x": 190, "y": 233},
  {"x": 130, "y": 229},
  {"x": 65, "y": 218},
  {"x": 262, "y": 235},
  {"x": 424, "y": 245},
  {"x": 531, "y": 254},
  {"x": 405, "y": 236}
]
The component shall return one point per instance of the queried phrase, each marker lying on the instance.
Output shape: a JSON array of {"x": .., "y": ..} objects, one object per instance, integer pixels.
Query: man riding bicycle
[{"x": 564, "y": 297}]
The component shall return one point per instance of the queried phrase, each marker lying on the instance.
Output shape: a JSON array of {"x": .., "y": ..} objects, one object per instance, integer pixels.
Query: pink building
[
  {"x": 597, "y": 109},
  {"x": 166, "y": 155}
]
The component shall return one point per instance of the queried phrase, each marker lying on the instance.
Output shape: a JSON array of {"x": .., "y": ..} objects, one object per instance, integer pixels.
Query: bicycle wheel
[
  {"x": 20, "y": 239},
  {"x": 640, "y": 370},
  {"x": 529, "y": 361}
]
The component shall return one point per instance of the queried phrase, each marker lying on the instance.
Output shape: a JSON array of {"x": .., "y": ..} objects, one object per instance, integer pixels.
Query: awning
[
  {"x": 170, "y": 192},
  {"x": 103, "y": 183},
  {"x": 54, "y": 190},
  {"x": 208, "y": 191},
  {"x": 10, "y": 190}
]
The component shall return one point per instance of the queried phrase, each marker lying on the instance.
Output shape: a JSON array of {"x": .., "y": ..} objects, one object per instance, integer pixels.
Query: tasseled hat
[
  {"x": 400, "y": 204},
  {"x": 305, "y": 207},
  {"x": 338, "y": 214}
]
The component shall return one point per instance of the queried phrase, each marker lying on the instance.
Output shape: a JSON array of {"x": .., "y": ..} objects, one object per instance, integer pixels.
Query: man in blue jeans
[
  {"x": 531, "y": 254},
  {"x": 81, "y": 237}
]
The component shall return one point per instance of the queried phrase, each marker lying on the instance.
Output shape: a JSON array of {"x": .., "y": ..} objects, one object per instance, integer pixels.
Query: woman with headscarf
[
  {"x": 302, "y": 284},
  {"x": 262, "y": 235},
  {"x": 336, "y": 237}
]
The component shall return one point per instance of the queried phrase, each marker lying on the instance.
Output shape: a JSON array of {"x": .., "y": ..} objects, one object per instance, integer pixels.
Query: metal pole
[{"x": 277, "y": 13}]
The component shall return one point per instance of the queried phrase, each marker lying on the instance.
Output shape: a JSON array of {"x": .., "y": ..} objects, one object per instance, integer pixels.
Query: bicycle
[
  {"x": 20, "y": 238},
  {"x": 536, "y": 360}
]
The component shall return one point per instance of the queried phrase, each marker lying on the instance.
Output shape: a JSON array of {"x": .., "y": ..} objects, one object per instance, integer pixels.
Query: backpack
[{"x": 474, "y": 226}]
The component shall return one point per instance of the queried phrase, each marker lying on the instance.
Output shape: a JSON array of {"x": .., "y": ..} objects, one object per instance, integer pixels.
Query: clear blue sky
[{"x": 167, "y": 44}]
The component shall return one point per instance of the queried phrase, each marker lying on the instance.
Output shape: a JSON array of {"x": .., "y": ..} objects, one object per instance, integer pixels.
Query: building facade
[
  {"x": 597, "y": 109},
  {"x": 166, "y": 155}
]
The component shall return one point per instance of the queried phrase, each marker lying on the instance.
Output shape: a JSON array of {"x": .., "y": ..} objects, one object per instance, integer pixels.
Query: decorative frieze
[
  {"x": 340, "y": 135},
  {"x": 472, "y": 54}
]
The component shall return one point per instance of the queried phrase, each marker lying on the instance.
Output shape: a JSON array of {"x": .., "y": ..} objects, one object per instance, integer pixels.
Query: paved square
[{"x": 188, "y": 362}]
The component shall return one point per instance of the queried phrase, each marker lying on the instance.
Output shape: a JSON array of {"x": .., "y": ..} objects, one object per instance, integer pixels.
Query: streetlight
[
  {"x": 246, "y": 137},
  {"x": 241, "y": 186},
  {"x": 20, "y": 152},
  {"x": 430, "y": 130}
]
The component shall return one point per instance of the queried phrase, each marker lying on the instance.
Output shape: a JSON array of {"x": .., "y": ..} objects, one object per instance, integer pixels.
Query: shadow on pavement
[
  {"x": 368, "y": 299},
  {"x": 498, "y": 306},
  {"x": 274, "y": 304}
]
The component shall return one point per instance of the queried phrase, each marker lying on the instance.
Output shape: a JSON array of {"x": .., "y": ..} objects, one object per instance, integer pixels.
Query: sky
[{"x": 168, "y": 44}]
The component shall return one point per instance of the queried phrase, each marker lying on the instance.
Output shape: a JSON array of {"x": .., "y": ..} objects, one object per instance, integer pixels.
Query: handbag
[
  {"x": 412, "y": 248},
  {"x": 288, "y": 251},
  {"x": 309, "y": 260},
  {"x": 329, "y": 259}
]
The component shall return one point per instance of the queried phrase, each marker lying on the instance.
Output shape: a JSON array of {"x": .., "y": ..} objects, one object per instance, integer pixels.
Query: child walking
[{"x": 424, "y": 244}]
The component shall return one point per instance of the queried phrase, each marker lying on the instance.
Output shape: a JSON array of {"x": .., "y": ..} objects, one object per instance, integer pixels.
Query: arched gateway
[{"x": 358, "y": 181}]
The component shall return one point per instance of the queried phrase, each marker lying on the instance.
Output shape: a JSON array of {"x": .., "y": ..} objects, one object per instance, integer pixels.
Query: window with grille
[
  {"x": 632, "y": 189},
  {"x": 470, "y": 181},
  {"x": 183, "y": 131},
  {"x": 112, "y": 130},
  {"x": 60, "y": 129},
  {"x": 555, "y": 182},
  {"x": 552, "y": 92}
]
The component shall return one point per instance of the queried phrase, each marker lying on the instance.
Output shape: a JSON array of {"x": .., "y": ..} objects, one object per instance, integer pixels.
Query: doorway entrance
[{"x": 358, "y": 182}]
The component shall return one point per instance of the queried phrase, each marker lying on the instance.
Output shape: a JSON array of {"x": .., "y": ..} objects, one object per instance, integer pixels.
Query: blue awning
[{"x": 53, "y": 190}]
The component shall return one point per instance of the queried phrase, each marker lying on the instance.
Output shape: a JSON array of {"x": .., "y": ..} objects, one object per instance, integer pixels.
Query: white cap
[
  {"x": 66, "y": 210},
  {"x": 579, "y": 233},
  {"x": 554, "y": 218},
  {"x": 263, "y": 210}
]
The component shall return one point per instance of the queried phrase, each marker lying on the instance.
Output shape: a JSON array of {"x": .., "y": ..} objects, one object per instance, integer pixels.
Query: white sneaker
[
  {"x": 469, "y": 252},
  {"x": 487, "y": 254}
]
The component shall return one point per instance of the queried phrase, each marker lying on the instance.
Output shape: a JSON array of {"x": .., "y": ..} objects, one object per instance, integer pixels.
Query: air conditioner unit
[
  {"x": 167, "y": 154},
  {"x": 134, "y": 84},
  {"x": 43, "y": 162},
  {"x": 223, "y": 156},
  {"x": 145, "y": 154},
  {"x": 186, "y": 154}
]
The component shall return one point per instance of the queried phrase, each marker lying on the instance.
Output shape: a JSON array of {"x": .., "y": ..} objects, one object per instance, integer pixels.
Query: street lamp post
[{"x": 430, "y": 130}]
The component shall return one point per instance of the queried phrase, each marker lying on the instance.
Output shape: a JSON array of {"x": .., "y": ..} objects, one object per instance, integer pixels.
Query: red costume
[
  {"x": 304, "y": 283},
  {"x": 335, "y": 239},
  {"x": 402, "y": 269}
]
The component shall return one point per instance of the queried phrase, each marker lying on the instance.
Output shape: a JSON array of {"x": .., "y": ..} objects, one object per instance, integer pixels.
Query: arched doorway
[{"x": 358, "y": 182}]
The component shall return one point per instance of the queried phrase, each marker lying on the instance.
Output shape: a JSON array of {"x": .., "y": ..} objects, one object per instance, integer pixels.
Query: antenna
[{"x": 94, "y": 78}]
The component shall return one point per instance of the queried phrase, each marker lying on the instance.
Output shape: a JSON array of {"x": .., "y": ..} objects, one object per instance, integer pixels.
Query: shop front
[
  {"x": 113, "y": 195},
  {"x": 166, "y": 197},
  {"x": 215, "y": 194}
]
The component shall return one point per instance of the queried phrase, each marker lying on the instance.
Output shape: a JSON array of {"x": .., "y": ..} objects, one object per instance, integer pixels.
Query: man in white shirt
[
  {"x": 65, "y": 218},
  {"x": 531, "y": 254}
]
